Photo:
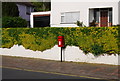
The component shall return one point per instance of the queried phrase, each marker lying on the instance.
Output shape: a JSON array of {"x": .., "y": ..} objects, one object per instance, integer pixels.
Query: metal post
[{"x": 61, "y": 54}]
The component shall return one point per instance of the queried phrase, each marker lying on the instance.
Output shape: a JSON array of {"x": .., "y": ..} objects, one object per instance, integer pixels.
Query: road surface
[{"x": 9, "y": 73}]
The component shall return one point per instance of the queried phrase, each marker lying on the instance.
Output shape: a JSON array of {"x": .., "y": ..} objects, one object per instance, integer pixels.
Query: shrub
[
  {"x": 13, "y": 22},
  {"x": 95, "y": 40},
  {"x": 80, "y": 24},
  {"x": 97, "y": 49},
  {"x": 10, "y": 9}
]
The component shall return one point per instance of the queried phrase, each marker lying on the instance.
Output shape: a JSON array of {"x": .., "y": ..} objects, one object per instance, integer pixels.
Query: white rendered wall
[
  {"x": 71, "y": 53},
  {"x": 22, "y": 12},
  {"x": 70, "y": 6}
]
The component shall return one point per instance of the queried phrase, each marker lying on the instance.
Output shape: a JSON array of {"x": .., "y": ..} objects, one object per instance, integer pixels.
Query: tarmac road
[
  {"x": 8, "y": 73},
  {"x": 22, "y": 74}
]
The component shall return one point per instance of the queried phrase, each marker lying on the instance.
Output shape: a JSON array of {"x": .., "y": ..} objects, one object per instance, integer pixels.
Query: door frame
[{"x": 100, "y": 9}]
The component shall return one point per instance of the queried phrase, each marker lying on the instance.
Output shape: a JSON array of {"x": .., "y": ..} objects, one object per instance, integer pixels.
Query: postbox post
[
  {"x": 61, "y": 43},
  {"x": 61, "y": 54}
]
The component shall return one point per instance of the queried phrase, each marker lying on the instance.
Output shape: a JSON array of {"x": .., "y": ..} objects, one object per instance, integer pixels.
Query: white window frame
[{"x": 63, "y": 14}]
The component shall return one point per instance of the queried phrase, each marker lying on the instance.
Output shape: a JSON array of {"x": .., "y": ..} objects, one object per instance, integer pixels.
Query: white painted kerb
[{"x": 71, "y": 53}]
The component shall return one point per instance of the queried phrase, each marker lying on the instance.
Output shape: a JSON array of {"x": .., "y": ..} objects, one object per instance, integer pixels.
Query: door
[
  {"x": 103, "y": 18},
  {"x": 42, "y": 21}
]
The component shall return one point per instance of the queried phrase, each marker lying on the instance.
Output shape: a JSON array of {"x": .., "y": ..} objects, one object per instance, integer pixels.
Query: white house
[
  {"x": 25, "y": 9},
  {"x": 65, "y": 13}
]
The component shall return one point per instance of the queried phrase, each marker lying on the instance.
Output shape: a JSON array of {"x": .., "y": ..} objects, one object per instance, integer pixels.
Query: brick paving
[{"x": 81, "y": 69}]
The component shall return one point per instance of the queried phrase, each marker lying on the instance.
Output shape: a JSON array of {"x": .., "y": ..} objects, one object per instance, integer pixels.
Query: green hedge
[
  {"x": 96, "y": 40},
  {"x": 13, "y": 22}
]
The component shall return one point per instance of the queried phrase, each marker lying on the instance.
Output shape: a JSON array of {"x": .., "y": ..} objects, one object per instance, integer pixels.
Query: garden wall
[{"x": 71, "y": 54}]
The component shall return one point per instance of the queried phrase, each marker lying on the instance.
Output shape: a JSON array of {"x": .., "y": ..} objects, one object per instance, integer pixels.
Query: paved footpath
[{"x": 86, "y": 70}]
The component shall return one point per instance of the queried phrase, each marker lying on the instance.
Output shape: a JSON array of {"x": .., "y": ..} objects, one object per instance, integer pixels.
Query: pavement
[{"x": 85, "y": 70}]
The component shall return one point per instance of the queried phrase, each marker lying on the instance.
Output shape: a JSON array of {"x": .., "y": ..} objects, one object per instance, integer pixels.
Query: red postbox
[{"x": 60, "y": 41}]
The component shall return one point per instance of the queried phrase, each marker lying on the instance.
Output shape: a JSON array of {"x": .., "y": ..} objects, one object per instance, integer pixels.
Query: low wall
[{"x": 71, "y": 53}]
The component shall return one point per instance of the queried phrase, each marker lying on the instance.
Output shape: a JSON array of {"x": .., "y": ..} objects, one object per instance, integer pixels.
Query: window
[
  {"x": 96, "y": 15},
  {"x": 62, "y": 17},
  {"x": 70, "y": 17},
  {"x": 27, "y": 10}
]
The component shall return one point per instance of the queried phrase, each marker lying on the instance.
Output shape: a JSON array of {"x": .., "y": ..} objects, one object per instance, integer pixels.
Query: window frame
[
  {"x": 110, "y": 15},
  {"x": 63, "y": 14}
]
